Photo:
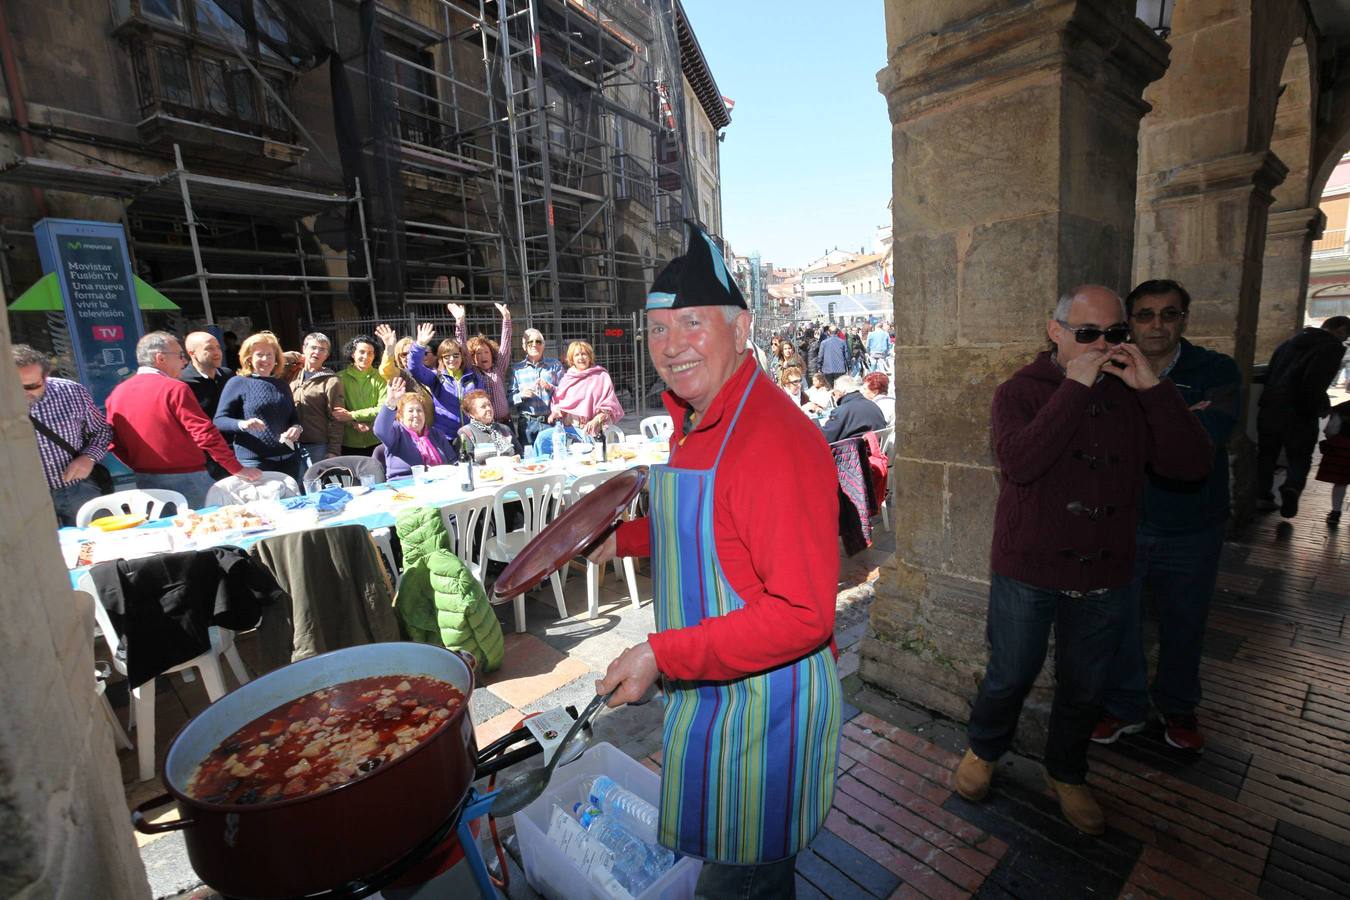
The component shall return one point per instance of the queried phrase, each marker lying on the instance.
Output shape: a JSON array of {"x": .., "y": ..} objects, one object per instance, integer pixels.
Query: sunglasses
[
  {"x": 1086, "y": 334},
  {"x": 1169, "y": 315},
  {"x": 34, "y": 387},
  {"x": 529, "y": 341}
]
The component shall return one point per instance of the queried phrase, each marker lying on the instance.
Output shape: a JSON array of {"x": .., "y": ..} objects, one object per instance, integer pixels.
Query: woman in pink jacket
[{"x": 584, "y": 402}]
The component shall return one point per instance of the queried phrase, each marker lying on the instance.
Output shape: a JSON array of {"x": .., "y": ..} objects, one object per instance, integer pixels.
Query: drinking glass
[
  {"x": 368, "y": 481},
  {"x": 313, "y": 485}
]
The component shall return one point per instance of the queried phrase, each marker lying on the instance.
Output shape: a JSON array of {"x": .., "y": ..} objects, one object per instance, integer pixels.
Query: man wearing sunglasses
[
  {"x": 1180, "y": 533},
  {"x": 533, "y": 381},
  {"x": 1073, "y": 433},
  {"x": 1294, "y": 399}
]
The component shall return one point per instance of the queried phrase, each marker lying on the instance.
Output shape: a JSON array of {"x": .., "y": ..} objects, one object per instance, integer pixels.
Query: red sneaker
[
  {"x": 1183, "y": 733},
  {"x": 1109, "y": 729}
]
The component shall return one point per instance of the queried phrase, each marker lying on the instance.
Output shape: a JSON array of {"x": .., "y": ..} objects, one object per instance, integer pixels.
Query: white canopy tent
[{"x": 848, "y": 306}]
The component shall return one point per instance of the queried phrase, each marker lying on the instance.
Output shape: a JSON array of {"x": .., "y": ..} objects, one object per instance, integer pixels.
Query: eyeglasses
[
  {"x": 794, "y": 381},
  {"x": 1086, "y": 334},
  {"x": 1169, "y": 315},
  {"x": 529, "y": 341}
]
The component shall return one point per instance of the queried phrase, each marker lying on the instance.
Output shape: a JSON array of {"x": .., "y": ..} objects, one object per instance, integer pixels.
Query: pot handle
[
  {"x": 469, "y": 660},
  {"x": 139, "y": 822}
]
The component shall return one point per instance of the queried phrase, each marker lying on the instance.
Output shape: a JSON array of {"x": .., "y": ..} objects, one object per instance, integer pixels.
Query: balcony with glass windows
[{"x": 193, "y": 87}]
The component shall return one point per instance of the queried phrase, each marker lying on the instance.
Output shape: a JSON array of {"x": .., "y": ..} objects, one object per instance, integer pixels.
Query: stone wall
[
  {"x": 1014, "y": 133},
  {"x": 64, "y": 830}
]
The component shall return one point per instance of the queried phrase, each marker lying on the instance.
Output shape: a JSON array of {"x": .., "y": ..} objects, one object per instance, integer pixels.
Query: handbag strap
[{"x": 53, "y": 436}]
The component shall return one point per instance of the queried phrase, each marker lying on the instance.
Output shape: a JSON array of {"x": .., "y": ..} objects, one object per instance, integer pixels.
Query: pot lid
[{"x": 579, "y": 526}]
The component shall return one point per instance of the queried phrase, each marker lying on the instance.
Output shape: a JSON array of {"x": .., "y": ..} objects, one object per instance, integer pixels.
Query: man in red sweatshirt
[
  {"x": 1073, "y": 433},
  {"x": 159, "y": 429},
  {"x": 744, "y": 608}
]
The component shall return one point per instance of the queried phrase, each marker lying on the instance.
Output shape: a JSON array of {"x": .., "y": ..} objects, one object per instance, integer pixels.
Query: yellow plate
[{"x": 117, "y": 523}]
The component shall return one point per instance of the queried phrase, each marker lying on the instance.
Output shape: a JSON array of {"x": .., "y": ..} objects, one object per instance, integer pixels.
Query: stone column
[
  {"x": 1284, "y": 277},
  {"x": 1015, "y": 133},
  {"x": 64, "y": 828}
]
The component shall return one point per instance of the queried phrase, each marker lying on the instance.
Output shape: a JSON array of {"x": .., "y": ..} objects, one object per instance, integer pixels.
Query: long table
[{"x": 374, "y": 509}]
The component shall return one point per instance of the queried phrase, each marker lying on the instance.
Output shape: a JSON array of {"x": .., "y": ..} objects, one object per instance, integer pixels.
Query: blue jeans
[
  {"x": 313, "y": 453},
  {"x": 67, "y": 500},
  {"x": 528, "y": 429},
  {"x": 768, "y": 881},
  {"x": 1180, "y": 571},
  {"x": 1087, "y": 633},
  {"x": 192, "y": 485}
]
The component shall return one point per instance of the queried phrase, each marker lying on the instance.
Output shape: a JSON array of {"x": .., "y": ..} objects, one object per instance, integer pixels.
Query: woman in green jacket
[{"x": 364, "y": 390}]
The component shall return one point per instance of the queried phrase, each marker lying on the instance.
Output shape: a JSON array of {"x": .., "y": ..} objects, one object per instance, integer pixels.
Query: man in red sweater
[
  {"x": 159, "y": 429},
  {"x": 744, "y": 608},
  {"x": 1073, "y": 433}
]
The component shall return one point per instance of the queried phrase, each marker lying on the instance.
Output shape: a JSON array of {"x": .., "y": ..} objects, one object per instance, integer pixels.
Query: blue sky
[{"x": 806, "y": 163}]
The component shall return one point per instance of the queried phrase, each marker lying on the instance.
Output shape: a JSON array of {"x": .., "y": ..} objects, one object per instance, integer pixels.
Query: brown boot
[
  {"x": 1078, "y": 806},
  {"x": 972, "y": 777}
]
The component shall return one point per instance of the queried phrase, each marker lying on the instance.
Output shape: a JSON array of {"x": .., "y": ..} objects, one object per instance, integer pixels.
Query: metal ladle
[{"x": 527, "y": 787}]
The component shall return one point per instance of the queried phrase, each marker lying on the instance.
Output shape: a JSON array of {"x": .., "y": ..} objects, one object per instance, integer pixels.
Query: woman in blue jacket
[
  {"x": 256, "y": 412},
  {"x": 408, "y": 437}
]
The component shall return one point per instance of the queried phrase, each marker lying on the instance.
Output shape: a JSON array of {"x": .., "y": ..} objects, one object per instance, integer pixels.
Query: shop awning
[{"x": 45, "y": 296}]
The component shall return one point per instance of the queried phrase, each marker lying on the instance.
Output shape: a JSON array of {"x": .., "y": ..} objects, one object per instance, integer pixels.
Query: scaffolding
[
  {"x": 163, "y": 209},
  {"x": 527, "y": 163}
]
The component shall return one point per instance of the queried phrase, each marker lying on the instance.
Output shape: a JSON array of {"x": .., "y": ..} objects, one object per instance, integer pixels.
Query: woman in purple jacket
[
  {"x": 449, "y": 379},
  {"x": 409, "y": 438}
]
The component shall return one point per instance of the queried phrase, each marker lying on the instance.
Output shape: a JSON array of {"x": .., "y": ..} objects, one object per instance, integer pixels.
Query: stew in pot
[{"x": 325, "y": 739}]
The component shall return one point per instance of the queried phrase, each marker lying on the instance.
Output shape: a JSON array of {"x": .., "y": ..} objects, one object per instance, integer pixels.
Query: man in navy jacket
[
  {"x": 832, "y": 356},
  {"x": 1180, "y": 534}
]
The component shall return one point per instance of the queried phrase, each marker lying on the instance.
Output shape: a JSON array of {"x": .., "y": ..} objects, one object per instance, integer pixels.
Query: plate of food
[
  {"x": 532, "y": 468},
  {"x": 232, "y": 519},
  {"x": 616, "y": 453},
  {"x": 402, "y": 497},
  {"x": 489, "y": 474},
  {"x": 117, "y": 523}
]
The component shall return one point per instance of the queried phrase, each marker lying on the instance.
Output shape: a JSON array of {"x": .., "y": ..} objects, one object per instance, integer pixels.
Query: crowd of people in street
[
  {"x": 1111, "y": 446},
  {"x": 185, "y": 420}
]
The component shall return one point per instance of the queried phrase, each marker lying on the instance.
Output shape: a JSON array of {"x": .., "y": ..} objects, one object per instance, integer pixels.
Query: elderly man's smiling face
[{"x": 696, "y": 349}]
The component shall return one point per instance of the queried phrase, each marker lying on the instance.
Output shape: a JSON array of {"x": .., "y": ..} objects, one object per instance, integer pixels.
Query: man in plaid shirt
[{"x": 66, "y": 408}]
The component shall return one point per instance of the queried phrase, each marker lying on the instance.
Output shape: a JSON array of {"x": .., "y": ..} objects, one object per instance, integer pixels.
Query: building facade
[{"x": 282, "y": 164}]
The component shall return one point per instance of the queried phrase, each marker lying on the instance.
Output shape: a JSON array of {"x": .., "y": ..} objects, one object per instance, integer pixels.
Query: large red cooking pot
[{"x": 312, "y": 843}]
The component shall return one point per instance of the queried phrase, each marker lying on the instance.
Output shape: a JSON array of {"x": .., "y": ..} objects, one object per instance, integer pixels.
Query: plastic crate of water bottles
[{"x": 589, "y": 834}]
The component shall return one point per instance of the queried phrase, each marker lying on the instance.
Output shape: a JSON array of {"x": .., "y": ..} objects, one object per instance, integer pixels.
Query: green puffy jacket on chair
[{"x": 440, "y": 602}]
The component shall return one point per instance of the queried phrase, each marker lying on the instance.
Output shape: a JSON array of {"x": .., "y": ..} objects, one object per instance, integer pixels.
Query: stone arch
[{"x": 1294, "y": 221}]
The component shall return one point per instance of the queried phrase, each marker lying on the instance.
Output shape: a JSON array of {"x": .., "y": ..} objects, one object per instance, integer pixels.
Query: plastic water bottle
[
  {"x": 559, "y": 442},
  {"x": 635, "y": 866},
  {"x": 634, "y": 813}
]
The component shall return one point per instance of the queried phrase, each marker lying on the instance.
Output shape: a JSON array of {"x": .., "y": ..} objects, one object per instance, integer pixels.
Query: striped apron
[{"x": 749, "y": 768}]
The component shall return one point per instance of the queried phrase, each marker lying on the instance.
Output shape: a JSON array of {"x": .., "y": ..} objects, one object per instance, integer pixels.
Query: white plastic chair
[
  {"x": 271, "y": 486},
  {"x": 886, "y": 439},
  {"x": 467, "y": 523},
  {"x": 594, "y": 573},
  {"x": 143, "y": 697},
  {"x": 384, "y": 542},
  {"x": 541, "y": 497},
  {"x": 149, "y": 502},
  {"x": 657, "y": 428}
]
